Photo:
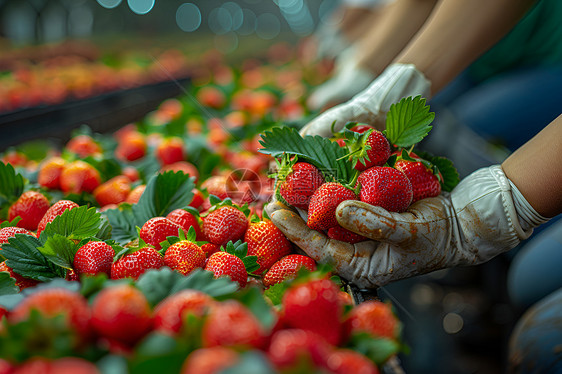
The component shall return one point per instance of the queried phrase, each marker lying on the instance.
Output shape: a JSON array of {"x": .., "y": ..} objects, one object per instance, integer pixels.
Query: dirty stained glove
[
  {"x": 482, "y": 217},
  {"x": 371, "y": 105},
  {"x": 349, "y": 79}
]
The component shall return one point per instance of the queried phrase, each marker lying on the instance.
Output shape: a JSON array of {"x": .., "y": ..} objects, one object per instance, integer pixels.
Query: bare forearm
[
  {"x": 395, "y": 26},
  {"x": 536, "y": 170},
  {"x": 457, "y": 33}
]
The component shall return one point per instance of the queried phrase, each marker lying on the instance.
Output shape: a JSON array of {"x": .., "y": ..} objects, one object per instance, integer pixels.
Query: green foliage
[
  {"x": 78, "y": 223},
  {"x": 321, "y": 152},
  {"x": 445, "y": 167},
  {"x": 379, "y": 350},
  {"x": 408, "y": 122},
  {"x": 11, "y": 187},
  {"x": 7, "y": 284},
  {"x": 240, "y": 250},
  {"x": 276, "y": 292},
  {"x": 59, "y": 250},
  {"x": 253, "y": 299}
]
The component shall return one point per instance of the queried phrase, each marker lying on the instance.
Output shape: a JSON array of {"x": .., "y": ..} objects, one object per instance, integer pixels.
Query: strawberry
[
  {"x": 14, "y": 158},
  {"x": 231, "y": 324},
  {"x": 184, "y": 166},
  {"x": 31, "y": 206},
  {"x": 314, "y": 306},
  {"x": 225, "y": 224},
  {"x": 425, "y": 183},
  {"x": 93, "y": 258},
  {"x": 344, "y": 235},
  {"x": 131, "y": 147},
  {"x": 184, "y": 257},
  {"x": 78, "y": 177},
  {"x": 198, "y": 199},
  {"x": 121, "y": 313},
  {"x": 114, "y": 191},
  {"x": 73, "y": 365},
  {"x": 21, "y": 282},
  {"x": 323, "y": 204},
  {"x": 266, "y": 242},
  {"x": 287, "y": 268},
  {"x": 386, "y": 187},
  {"x": 219, "y": 185},
  {"x": 135, "y": 264},
  {"x": 210, "y": 248},
  {"x": 170, "y": 150},
  {"x": 156, "y": 229},
  {"x": 56, "y": 301},
  {"x": 50, "y": 172},
  {"x": 10, "y": 232},
  {"x": 361, "y": 128},
  {"x": 54, "y": 211},
  {"x": 233, "y": 261},
  {"x": 296, "y": 350},
  {"x": 369, "y": 149},
  {"x": 346, "y": 361},
  {"x": 83, "y": 146},
  {"x": 300, "y": 184},
  {"x": 212, "y": 360},
  {"x": 134, "y": 196},
  {"x": 185, "y": 220},
  {"x": 211, "y": 97},
  {"x": 169, "y": 314},
  {"x": 375, "y": 318},
  {"x": 131, "y": 173}
]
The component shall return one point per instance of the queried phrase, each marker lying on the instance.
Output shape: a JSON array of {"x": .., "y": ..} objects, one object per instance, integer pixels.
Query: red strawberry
[
  {"x": 184, "y": 257},
  {"x": 424, "y": 182},
  {"x": 156, "y": 229},
  {"x": 386, "y": 187},
  {"x": 224, "y": 263},
  {"x": 375, "y": 318},
  {"x": 300, "y": 184},
  {"x": 114, "y": 191},
  {"x": 78, "y": 177},
  {"x": 131, "y": 147},
  {"x": 31, "y": 206},
  {"x": 170, "y": 150},
  {"x": 210, "y": 248},
  {"x": 314, "y": 306},
  {"x": 121, "y": 313},
  {"x": 169, "y": 314},
  {"x": 83, "y": 146},
  {"x": 54, "y": 211},
  {"x": 344, "y": 235},
  {"x": 10, "y": 232},
  {"x": 3, "y": 312},
  {"x": 183, "y": 166},
  {"x": 56, "y": 301},
  {"x": 135, "y": 264},
  {"x": 266, "y": 242},
  {"x": 21, "y": 282},
  {"x": 219, "y": 185},
  {"x": 94, "y": 258},
  {"x": 323, "y": 204},
  {"x": 293, "y": 349},
  {"x": 50, "y": 171},
  {"x": 346, "y": 361},
  {"x": 73, "y": 365},
  {"x": 198, "y": 199},
  {"x": 378, "y": 153},
  {"x": 361, "y": 128},
  {"x": 131, "y": 173},
  {"x": 211, "y": 96},
  {"x": 231, "y": 324},
  {"x": 212, "y": 360},
  {"x": 225, "y": 224},
  {"x": 287, "y": 268},
  {"x": 185, "y": 220},
  {"x": 134, "y": 196}
]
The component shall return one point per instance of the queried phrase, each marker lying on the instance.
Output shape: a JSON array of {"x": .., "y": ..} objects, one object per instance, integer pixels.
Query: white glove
[
  {"x": 330, "y": 42},
  {"x": 348, "y": 80},
  {"x": 482, "y": 217},
  {"x": 371, "y": 105}
]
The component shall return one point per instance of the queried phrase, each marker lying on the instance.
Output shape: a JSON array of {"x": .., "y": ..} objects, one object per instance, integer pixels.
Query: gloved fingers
[{"x": 322, "y": 125}]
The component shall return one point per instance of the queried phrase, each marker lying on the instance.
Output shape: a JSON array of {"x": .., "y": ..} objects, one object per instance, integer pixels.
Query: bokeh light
[
  {"x": 236, "y": 13},
  {"x": 248, "y": 22},
  {"x": 109, "y": 4},
  {"x": 141, "y": 6},
  {"x": 268, "y": 26},
  {"x": 188, "y": 17},
  {"x": 226, "y": 43},
  {"x": 220, "y": 21}
]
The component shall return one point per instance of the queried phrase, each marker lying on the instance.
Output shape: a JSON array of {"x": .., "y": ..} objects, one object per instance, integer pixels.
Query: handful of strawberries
[{"x": 359, "y": 163}]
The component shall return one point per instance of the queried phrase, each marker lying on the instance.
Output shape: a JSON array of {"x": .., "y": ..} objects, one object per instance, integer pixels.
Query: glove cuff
[{"x": 529, "y": 218}]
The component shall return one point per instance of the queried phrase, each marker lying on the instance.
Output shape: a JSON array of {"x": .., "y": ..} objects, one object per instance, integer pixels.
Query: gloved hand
[
  {"x": 371, "y": 105},
  {"x": 482, "y": 217},
  {"x": 330, "y": 42},
  {"x": 348, "y": 80}
]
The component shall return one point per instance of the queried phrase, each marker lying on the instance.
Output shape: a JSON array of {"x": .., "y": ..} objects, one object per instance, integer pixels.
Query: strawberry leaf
[
  {"x": 12, "y": 223},
  {"x": 11, "y": 184},
  {"x": 158, "y": 284},
  {"x": 253, "y": 299},
  {"x": 408, "y": 122},
  {"x": 60, "y": 250},
  {"x": 326, "y": 155},
  {"x": 375, "y": 348},
  {"x": 25, "y": 259},
  {"x": 7, "y": 284},
  {"x": 445, "y": 167},
  {"x": 78, "y": 223},
  {"x": 276, "y": 292}
]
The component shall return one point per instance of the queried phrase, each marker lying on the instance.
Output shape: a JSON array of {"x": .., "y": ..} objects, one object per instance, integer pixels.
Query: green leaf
[
  {"x": 156, "y": 285},
  {"x": 59, "y": 250},
  {"x": 445, "y": 167},
  {"x": 251, "y": 362},
  {"x": 11, "y": 184},
  {"x": 253, "y": 298},
  {"x": 276, "y": 292},
  {"x": 326, "y": 155},
  {"x": 408, "y": 122},
  {"x": 12, "y": 223},
  {"x": 164, "y": 193},
  {"x": 25, "y": 259},
  {"x": 78, "y": 223},
  {"x": 107, "y": 166},
  {"x": 377, "y": 349},
  {"x": 7, "y": 284},
  {"x": 105, "y": 229}
]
